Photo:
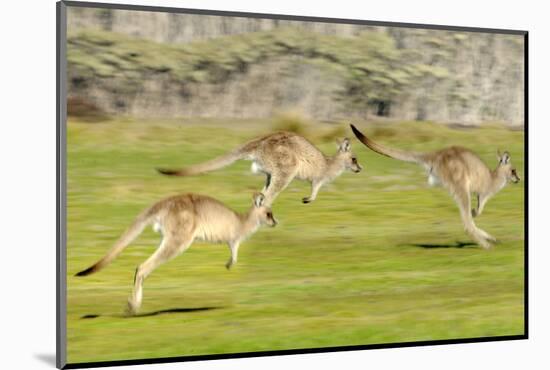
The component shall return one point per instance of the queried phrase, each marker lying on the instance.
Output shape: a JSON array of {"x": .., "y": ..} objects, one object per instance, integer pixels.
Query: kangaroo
[
  {"x": 180, "y": 220},
  {"x": 283, "y": 156},
  {"x": 462, "y": 172}
]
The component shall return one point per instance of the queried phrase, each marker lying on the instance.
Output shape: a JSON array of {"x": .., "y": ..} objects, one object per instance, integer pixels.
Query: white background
[{"x": 27, "y": 207}]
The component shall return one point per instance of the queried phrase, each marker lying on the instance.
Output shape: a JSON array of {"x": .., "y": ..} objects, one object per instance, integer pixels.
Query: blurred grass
[{"x": 372, "y": 260}]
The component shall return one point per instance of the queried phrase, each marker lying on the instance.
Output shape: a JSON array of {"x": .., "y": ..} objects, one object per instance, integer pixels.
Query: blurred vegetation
[
  {"x": 85, "y": 110},
  {"x": 106, "y": 54},
  {"x": 375, "y": 71},
  {"x": 379, "y": 257},
  {"x": 292, "y": 122},
  {"x": 297, "y": 123},
  {"x": 369, "y": 62}
]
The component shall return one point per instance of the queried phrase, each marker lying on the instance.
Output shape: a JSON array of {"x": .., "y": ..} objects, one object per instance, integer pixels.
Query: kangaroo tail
[
  {"x": 211, "y": 165},
  {"x": 389, "y": 152},
  {"x": 144, "y": 219}
]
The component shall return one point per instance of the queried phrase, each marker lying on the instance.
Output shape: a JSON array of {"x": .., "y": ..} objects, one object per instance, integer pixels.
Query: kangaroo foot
[
  {"x": 132, "y": 308},
  {"x": 484, "y": 243}
]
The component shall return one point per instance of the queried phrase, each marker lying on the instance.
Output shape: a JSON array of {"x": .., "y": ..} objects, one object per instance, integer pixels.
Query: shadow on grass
[
  {"x": 457, "y": 244},
  {"x": 155, "y": 313}
]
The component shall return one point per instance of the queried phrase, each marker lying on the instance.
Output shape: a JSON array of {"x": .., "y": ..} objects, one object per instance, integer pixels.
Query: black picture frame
[{"x": 61, "y": 157}]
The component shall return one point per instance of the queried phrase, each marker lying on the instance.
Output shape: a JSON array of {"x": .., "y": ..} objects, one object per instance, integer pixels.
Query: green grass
[{"x": 360, "y": 265}]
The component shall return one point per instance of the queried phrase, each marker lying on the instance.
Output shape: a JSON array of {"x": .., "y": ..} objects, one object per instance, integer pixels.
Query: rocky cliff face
[{"x": 161, "y": 64}]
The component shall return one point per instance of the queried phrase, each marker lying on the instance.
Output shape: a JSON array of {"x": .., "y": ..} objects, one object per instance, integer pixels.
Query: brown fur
[
  {"x": 182, "y": 219},
  {"x": 283, "y": 156},
  {"x": 462, "y": 172}
]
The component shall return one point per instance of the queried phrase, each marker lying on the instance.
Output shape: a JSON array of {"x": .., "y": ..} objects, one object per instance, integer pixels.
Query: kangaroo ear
[
  {"x": 259, "y": 199},
  {"x": 504, "y": 158},
  {"x": 345, "y": 145}
]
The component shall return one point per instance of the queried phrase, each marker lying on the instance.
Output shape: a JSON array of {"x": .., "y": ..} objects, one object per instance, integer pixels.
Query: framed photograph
[{"x": 237, "y": 185}]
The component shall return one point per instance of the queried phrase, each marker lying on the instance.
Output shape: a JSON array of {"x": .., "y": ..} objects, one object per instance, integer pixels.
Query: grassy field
[{"x": 379, "y": 257}]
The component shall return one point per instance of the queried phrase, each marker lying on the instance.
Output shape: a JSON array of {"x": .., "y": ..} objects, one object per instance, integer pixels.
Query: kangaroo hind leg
[
  {"x": 169, "y": 248},
  {"x": 258, "y": 169},
  {"x": 463, "y": 201},
  {"x": 278, "y": 182},
  {"x": 267, "y": 182}
]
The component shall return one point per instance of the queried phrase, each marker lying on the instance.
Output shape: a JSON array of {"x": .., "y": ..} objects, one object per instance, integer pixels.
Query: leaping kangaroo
[
  {"x": 462, "y": 173},
  {"x": 282, "y": 157},
  {"x": 180, "y": 220}
]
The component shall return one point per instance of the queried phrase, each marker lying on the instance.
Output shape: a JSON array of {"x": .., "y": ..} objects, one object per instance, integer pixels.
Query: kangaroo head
[
  {"x": 261, "y": 212},
  {"x": 505, "y": 168},
  {"x": 346, "y": 156}
]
